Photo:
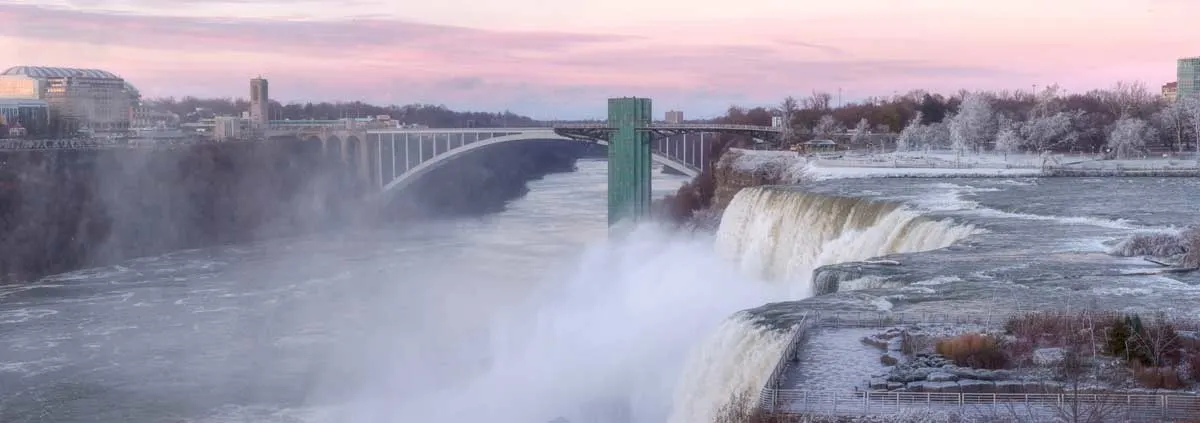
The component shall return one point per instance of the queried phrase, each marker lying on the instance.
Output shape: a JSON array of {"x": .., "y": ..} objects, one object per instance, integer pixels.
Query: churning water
[{"x": 522, "y": 317}]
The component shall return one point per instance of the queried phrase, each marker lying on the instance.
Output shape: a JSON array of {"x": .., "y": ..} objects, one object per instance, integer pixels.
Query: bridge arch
[
  {"x": 407, "y": 178},
  {"x": 332, "y": 148}
]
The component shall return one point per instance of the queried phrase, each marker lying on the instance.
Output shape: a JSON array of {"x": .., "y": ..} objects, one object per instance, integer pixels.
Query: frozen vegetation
[{"x": 787, "y": 167}]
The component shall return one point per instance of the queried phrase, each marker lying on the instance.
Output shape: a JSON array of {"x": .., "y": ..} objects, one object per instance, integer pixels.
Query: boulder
[
  {"x": 878, "y": 384},
  {"x": 941, "y": 377},
  {"x": 977, "y": 386},
  {"x": 933, "y": 387}
]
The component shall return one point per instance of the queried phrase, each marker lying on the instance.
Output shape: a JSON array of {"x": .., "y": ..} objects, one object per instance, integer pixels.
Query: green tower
[{"x": 629, "y": 162}]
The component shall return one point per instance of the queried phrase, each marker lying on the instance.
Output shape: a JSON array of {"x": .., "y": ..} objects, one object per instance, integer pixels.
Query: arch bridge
[{"x": 391, "y": 159}]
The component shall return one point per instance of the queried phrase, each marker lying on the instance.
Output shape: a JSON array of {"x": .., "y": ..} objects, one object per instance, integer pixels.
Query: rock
[
  {"x": 941, "y": 377},
  {"x": 980, "y": 374},
  {"x": 934, "y": 387},
  {"x": 875, "y": 341},
  {"x": 877, "y": 384},
  {"x": 906, "y": 375},
  {"x": 892, "y": 386},
  {"x": 976, "y": 386},
  {"x": 1048, "y": 356},
  {"x": 1010, "y": 387},
  {"x": 888, "y": 360}
]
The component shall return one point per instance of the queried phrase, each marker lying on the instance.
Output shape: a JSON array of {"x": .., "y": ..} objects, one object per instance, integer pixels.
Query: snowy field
[{"x": 951, "y": 164}]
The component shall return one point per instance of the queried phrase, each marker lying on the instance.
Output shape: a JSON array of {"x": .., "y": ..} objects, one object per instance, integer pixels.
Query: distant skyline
[{"x": 562, "y": 59}]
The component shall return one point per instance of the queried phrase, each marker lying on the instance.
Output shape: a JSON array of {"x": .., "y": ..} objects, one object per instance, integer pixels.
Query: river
[{"x": 293, "y": 329}]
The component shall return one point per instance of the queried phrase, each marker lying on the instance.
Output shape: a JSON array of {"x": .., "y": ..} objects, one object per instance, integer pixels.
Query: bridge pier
[{"x": 629, "y": 159}]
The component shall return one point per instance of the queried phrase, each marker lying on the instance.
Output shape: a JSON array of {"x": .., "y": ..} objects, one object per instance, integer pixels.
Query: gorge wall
[
  {"x": 64, "y": 210},
  {"x": 701, "y": 201}
]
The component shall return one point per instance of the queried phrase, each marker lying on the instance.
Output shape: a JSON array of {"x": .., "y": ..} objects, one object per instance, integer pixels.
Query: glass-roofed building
[{"x": 78, "y": 98}]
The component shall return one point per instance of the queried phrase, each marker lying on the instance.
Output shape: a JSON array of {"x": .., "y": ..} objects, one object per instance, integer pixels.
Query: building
[
  {"x": 149, "y": 117},
  {"x": 1170, "y": 91},
  {"x": 230, "y": 128},
  {"x": 79, "y": 99},
  {"x": 24, "y": 117},
  {"x": 1188, "y": 77},
  {"x": 259, "y": 104},
  {"x": 674, "y": 116}
]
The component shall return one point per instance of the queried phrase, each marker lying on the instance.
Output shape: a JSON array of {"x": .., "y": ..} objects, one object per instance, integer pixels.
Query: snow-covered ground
[{"x": 951, "y": 164}]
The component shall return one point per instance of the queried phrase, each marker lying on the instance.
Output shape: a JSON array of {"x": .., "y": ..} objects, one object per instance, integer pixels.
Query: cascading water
[
  {"x": 641, "y": 333},
  {"x": 782, "y": 236},
  {"x": 734, "y": 361}
]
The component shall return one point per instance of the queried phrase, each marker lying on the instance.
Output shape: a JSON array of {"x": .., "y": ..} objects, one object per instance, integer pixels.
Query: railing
[
  {"x": 94, "y": 144},
  {"x": 773, "y": 398},
  {"x": 678, "y": 126},
  {"x": 789, "y": 355},
  {"x": 1038, "y": 407},
  {"x": 703, "y": 126}
]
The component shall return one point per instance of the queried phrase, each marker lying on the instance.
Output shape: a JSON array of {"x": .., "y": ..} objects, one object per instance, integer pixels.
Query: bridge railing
[
  {"x": 678, "y": 126},
  {"x": 711, "y": 126}
]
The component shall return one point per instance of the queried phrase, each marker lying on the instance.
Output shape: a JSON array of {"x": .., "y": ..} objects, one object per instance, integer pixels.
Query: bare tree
[
  {"x": 1158, "y": 341},
  {"x": 818, "y": 101},
  {"x": 1126, "y": 99}
]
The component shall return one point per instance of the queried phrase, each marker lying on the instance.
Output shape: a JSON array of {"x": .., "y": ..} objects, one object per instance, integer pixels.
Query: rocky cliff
[{"x": 700, "y": 202}]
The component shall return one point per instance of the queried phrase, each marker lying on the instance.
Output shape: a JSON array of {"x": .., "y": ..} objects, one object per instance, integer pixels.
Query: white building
[{"x": 79, "y": 99}]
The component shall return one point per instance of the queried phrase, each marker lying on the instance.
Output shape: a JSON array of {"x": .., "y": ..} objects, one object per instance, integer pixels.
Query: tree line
[
  {"x": 1126, "y": 119},
  {"x": 193, "y": 109}
]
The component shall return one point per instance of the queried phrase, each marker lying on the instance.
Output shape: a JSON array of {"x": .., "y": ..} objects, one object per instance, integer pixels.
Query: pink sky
[{"x": 561, "y": 59}]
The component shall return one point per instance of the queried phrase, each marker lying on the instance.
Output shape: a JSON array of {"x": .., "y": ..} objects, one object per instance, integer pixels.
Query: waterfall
[{"x": 782, "y": 236}]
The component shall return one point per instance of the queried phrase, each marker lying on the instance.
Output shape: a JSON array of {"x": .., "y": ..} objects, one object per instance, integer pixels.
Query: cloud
[
  {"x": 549, "y": 72},
  {"x": 168, "y": 32}
]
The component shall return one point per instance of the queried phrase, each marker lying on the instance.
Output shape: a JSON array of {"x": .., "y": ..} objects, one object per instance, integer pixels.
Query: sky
[{"x": 560, "y": 59}]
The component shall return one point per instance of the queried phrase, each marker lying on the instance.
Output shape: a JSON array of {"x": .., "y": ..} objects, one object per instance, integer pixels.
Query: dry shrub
[
  {"x": 1020, "y": 352},
  {"x": 1047, "y": 327},
  {"x": 913, "y": 344},
  {"x": 1193, "y": 366},
  {"x": 740, "y": 409},
  {"x": 1157, "y": 377},
  {"x": 973, "y": 350}
]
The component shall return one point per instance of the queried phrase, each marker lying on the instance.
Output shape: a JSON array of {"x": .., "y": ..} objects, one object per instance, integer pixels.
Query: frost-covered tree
[
  {"x": 1173, "y": 123},
  {"x": 1044, "y": 133},
  {"x": 862, "y": 131},
  {"x": 787, "y": 110},
  {"x": 827, "y": 126},
  {"x": 910, "y": 136},
  {"x": 936, "y": 135},
  {"x": 1191, "y": 109},
  {"x": 1129, "y": 136},
  {"x": 974, "y": 126},
  {"x": 1009, "y": 141}
]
